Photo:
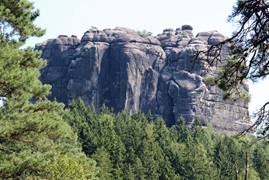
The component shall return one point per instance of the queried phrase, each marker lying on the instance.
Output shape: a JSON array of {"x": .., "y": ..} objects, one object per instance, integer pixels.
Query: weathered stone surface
[
  {"x": 59, "y": 54},
  {"x": 126, "y": 70}
]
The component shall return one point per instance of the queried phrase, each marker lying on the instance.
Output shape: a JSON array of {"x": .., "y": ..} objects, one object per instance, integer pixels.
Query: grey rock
[
  {"x": 216, "y": 38},
  {"x": 58, "y": 53},
  {"x": 168, "y": 30},
  {"x": 126, "y": 70},
  {"x": 204, "y": 36},
  {"x": 95, "y": 36},
  {"x": 187, "y": 27},
  {"x": 197, "y": 41},
  {"x": 178, "y": 31}
]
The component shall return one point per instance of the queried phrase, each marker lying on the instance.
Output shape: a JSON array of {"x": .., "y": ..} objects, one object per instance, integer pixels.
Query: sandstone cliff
[{"x": 128, "y": 70}]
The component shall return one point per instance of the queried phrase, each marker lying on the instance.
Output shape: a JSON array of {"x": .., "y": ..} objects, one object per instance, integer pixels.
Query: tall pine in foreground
[{"x": 35, "y": 142}]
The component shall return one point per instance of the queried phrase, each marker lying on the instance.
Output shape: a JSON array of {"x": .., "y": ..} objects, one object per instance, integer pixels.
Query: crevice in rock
[{"x": 121, "y": 58}]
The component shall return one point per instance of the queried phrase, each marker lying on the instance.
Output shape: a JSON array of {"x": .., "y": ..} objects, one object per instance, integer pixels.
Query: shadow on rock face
[{"x": 127, "y": 70}]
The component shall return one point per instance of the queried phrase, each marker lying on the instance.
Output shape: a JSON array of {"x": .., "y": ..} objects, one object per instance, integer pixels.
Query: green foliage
[
  {"x": 17, "y": 17},
  {"x": 180, "y": 132},
  {"x": 260, "y": 160},
  {"x": 225, "y": 156},
  {"x": 31, "y": 134},
  {"x": 169, "y": 35},
  {"x": 135, "y": 147},
  {"x": 23, "y": 63},
  {"x": 102, "y": 158},
  {"x": 185, "y": 33},
  {"x": 209, "y": 80},
  {"x": 69, "y": 167},
  {"x": 231, "y": 81},
  {"x": 35, "y": 141}
]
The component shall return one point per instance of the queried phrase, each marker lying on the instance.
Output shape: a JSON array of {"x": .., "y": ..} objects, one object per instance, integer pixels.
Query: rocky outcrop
[{"x": 129, "y": 70}]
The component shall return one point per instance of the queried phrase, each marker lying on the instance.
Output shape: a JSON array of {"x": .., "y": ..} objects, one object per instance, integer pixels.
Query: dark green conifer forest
[
  {"x": 136, "y": 147},
  {"x": 40, "y": 139}
]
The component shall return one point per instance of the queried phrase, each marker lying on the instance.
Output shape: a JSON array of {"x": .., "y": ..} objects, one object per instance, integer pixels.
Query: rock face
[{"x": 129, "y": 70}]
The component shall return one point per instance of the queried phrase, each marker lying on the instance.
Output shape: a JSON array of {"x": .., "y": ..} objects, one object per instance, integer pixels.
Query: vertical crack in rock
[{"x": 129, "y": 71}]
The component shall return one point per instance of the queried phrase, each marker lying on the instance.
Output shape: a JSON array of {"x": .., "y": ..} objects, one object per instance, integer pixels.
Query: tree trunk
[
  {"x": 236, "y": 173},
  {"x": 246, "y": 173}
]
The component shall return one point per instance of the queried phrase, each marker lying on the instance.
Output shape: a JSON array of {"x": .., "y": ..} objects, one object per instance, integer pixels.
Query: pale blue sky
[
  {"x": 69, "y": 17},
  {"x": 75, "y": 17}
]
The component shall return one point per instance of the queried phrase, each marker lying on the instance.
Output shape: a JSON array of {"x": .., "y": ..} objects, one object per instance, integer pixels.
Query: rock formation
[{"x": 129, "y": 70}]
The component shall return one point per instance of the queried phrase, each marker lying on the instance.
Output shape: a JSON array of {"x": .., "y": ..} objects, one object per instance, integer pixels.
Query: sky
[{"x": 69, "y": 17}]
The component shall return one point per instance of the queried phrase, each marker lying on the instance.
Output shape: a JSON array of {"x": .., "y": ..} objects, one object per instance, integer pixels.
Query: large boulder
[{"x": 127, "y": 70}]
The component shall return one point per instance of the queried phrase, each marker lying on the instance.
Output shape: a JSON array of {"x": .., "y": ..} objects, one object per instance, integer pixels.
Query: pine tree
[
  {"x": 229, "y": 158},
  {"x": 85, "y": 122},
  {"x": 129, "y": 174},
  {"x": 226, "y": 169},
  {"x": 139, "y": 170},
  {"x": 197, "y": 163},
  {"x": 260, "y": 161},
  {"x": 17, "y": 21},
  {"x": 102, "y": 158},
  {"x": 147, "y": 157},
  {"x": 34, "y": 139},
  {"x": 180, "y": 132}
]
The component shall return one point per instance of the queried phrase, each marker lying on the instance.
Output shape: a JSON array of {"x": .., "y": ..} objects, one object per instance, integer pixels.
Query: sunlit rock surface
[{"x": 128, "y": 70}]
